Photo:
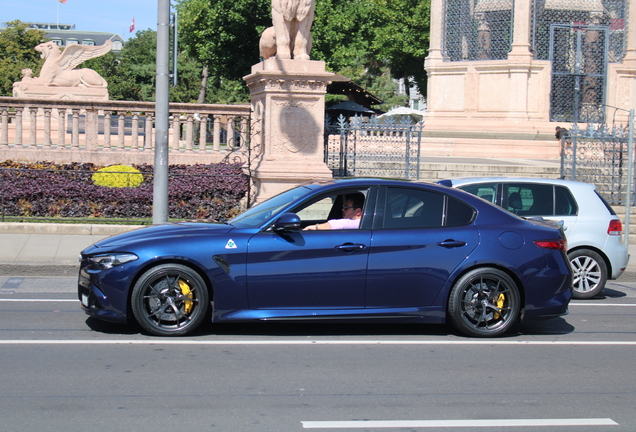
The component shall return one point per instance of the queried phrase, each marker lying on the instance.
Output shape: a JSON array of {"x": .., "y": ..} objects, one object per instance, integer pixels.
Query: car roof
[{"x": 461, "y": 181}]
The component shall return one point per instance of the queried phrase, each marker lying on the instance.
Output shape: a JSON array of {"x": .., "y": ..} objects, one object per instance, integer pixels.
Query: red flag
[
  {"x": 62, "y": 1},
  {"x": 132, "y": 25}
]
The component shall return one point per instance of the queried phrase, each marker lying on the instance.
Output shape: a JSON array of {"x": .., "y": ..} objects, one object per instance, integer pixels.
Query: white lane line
[
  {"x": 38, "y": 300},
  {"x": 362, "y": 424},
  {"x": 303, "y": 342},
  {"x": 602, "y": 304}
]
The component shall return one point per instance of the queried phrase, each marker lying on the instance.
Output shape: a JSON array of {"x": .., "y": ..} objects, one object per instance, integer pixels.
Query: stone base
[
  {"x": 288, "y": 109},
  {"x": 27, "y": 91}
]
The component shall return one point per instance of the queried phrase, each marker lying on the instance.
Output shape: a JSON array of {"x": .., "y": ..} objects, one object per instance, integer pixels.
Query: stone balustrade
[{"x": 114, "y": 132}]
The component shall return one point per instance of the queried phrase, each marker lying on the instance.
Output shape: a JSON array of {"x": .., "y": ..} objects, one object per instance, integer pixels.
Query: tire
[
  {"x": 170, "y": 300},
  {"x": 485, "y": 302},
  {"x": 589, "y": 273}
]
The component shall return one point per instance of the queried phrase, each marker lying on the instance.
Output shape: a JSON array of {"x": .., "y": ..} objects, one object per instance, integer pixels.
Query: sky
[{"x": 113, "y": 16}]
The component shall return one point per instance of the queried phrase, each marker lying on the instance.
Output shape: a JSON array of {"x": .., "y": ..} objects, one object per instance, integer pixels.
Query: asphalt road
[{"x": 63, "y": 371}]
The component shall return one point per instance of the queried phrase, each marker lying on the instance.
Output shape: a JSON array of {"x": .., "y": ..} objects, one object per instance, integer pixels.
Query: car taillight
[
  {"x": 559, "y": 244},
  {"x": 615, "y": 227}
]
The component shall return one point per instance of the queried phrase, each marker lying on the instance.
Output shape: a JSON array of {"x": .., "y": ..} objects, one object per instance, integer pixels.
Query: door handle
[
  {"x": 350, "y": 247},
  {"x": 451, "y": 243}
]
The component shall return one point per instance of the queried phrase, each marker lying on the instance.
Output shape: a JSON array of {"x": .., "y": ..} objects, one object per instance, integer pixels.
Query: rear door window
[{"x": 530, "y": 199}]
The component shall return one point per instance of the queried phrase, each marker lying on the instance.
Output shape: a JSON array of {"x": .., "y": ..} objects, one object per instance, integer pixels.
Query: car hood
[{"x": 156, "y": 232}]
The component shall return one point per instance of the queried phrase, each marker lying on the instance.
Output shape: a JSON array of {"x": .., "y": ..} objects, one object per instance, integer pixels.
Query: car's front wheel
[
  {"x": 485, "y": 302},
  {"x": 170, "y": 300},
  {"x": 589, "y": 273}
]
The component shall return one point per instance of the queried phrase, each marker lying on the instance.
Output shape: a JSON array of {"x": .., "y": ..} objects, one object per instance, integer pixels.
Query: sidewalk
[
  {"x": 53, "y": 249},
  {"x": 48, "y": 249}
]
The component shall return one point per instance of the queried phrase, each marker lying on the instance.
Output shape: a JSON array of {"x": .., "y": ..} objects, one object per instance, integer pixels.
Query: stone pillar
[
  {"x": 288, "y": 109},
  {"x": 520, "y": 61},
  {"x": 621, "y": 91}
]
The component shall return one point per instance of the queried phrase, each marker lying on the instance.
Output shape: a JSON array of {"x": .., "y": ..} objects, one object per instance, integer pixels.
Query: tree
[
  {"x": 17, "y": 43},
  {"x": 223, "y": 34},
  {"x": 131, "y": 74},
  {"x": 401, "y": 39}
]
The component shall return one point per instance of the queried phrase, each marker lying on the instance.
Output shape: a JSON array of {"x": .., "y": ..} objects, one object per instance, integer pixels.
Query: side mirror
[{"x": 287, "y": 222}]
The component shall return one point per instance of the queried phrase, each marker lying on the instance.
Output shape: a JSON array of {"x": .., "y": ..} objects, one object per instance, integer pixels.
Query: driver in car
[{"x": 351, "y": 212}]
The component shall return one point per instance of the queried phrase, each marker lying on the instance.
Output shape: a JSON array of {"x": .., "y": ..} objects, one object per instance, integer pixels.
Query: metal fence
[
  {"x": 603, "y": 155},
  {"x": 200, "y": 192},
  {"x": 367, "y": 147}
]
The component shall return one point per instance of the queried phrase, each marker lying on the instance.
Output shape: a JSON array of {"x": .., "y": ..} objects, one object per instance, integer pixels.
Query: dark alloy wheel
[
  {"x": 589, "y": 273},
  {"x": 485, "y": 302},
  {"x": 170, "y": 300}
]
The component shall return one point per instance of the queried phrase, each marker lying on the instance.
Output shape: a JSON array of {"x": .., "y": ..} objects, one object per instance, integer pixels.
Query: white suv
[{"x": 591, "y": 226}]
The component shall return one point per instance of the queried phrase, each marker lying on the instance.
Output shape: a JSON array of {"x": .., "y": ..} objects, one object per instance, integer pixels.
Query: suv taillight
[
  {"x": 615, "y": 227},
  {"x": 559, "y": 244}
]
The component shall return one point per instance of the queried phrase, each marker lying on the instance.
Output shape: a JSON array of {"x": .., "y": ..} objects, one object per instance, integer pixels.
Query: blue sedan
[{"x": 422, "y": 253}]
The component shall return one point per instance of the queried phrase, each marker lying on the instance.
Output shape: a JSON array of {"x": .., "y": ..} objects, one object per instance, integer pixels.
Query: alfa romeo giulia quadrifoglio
[{"x": 417, "y": 253}]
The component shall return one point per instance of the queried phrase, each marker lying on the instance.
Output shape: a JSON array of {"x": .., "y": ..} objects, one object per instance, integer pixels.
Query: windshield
[{"x": 255, "y": 216}]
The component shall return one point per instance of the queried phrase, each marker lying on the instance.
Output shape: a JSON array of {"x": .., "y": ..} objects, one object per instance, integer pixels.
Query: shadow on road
[{"x": 294, "y": 329}]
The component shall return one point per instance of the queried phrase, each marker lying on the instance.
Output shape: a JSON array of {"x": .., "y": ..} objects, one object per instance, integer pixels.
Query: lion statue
[
  {"x": 59, "y": 66},
  {"x": 291, "y": 35}
]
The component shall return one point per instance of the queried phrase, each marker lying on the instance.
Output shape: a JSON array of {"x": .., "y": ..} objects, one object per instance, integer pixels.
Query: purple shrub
[{"x": 45, "y": 189}]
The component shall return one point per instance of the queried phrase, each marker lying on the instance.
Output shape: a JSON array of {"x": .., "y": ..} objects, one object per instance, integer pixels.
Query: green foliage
[
  {"x": 223, "y": 34},
  {"x": 116, "y": 176},
  {"x": 357, "y": 38},
  {"x": 17, "y": 43}
]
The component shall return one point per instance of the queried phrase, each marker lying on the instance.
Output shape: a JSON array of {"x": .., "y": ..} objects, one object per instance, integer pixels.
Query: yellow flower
[{"x": 118, "y": 176}]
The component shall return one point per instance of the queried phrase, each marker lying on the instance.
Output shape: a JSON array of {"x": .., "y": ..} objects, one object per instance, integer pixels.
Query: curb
[
  {"x": 64, "y": 229},
  {"x": 26, "y": 269}
]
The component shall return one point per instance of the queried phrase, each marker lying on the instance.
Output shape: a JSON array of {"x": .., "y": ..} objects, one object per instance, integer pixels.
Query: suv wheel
[{"x": 589, "y": 273}]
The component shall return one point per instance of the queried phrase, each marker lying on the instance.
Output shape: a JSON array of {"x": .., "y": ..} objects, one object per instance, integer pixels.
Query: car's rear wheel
[
  {"x": 485, "y": 302},
  {"x": 170, "y": 300},
  {"x": 589, "y": 273}
]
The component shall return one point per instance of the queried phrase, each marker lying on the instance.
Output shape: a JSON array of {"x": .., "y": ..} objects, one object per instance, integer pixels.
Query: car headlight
[{"x": 109, "y": 261}]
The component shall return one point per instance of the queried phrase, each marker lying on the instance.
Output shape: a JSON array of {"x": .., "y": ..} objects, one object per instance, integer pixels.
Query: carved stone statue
[
  {"x": 292, "y": 21},
  {"x": 59, "y": 66},
  {"x": 58, "y": 77}
]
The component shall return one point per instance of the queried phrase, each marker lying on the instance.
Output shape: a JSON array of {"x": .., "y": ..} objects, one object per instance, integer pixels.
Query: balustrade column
[
  {"x": 244, "y": 140},
  {"x": 135, "y": 132},
  {"x": 216, "y": 143},
  {"x": 47, "y": 128},
  {"x": 121, "y": 119},
  {"x": 189, "y": 133},
  {"x": 18, "y": 126},
  {"x": 230, "y": 134},
  {"x": 61, "y": 129},
  {"x": 176, "y": 134},
  {"x": 203, "y": 133},
  {"x": 33, "y": 132},
  {"x": 107, "y": 118},
  {"x": 4, "y": 129},
  {"x": 148, "y": 138},
  {"x": 75, "y": 130}
]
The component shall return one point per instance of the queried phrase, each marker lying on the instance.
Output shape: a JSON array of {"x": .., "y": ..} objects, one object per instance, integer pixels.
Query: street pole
[{"x": 160, "y": 191}]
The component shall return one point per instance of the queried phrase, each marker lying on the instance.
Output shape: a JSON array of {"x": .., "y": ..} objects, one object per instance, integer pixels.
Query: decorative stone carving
[
  {"x": 58, "y": 77},
  {"x": 291, "y": 35}
]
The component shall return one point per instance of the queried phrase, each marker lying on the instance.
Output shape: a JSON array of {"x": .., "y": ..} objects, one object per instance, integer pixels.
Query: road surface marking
[
  {"x": 304, "y": 342},
  {"x": 366, "y": 424}
]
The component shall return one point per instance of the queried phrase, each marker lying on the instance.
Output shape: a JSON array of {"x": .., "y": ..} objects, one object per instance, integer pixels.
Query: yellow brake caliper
[
  {"x": 186, "y": 291},
  {"x": 501, "y": 301}
]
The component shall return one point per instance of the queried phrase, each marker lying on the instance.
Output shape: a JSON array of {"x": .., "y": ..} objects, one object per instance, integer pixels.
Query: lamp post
[{"x": 160, "y": 185}]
